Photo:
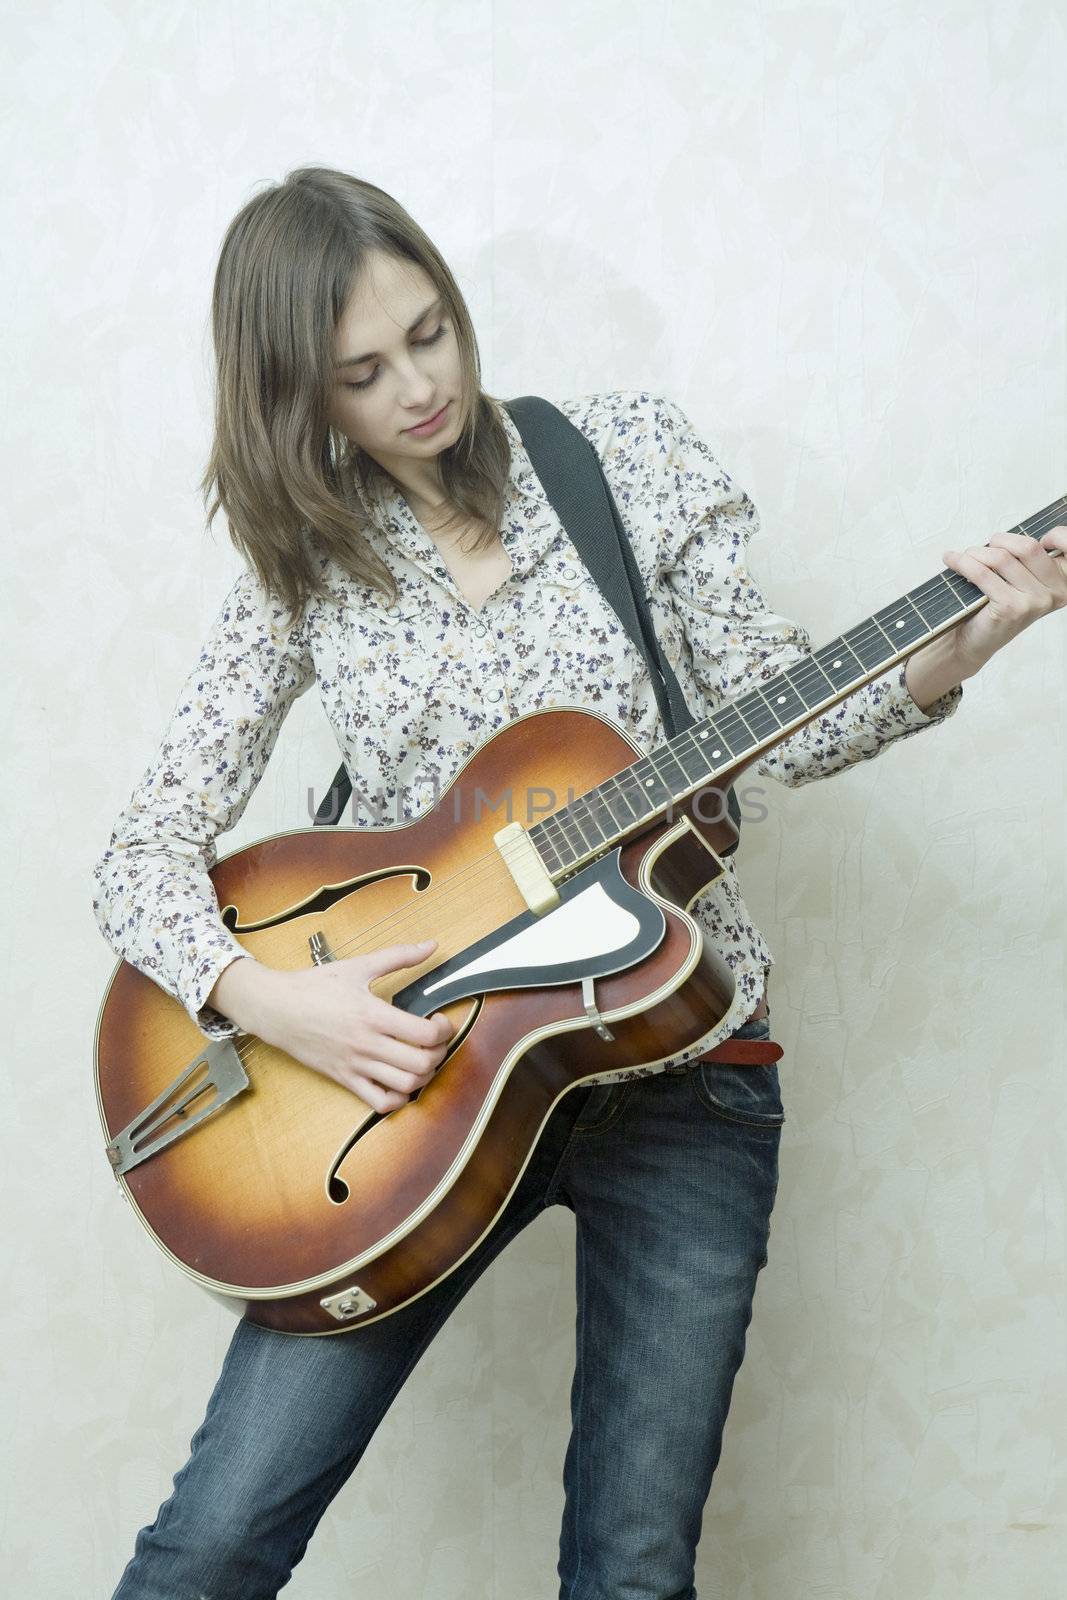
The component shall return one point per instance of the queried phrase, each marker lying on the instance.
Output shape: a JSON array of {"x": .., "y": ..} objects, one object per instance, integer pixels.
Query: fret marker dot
[
  {"x": 837, "y": 663},
  {"x": 649, "y": 782},
  {"x": 899, "y": 624},
  {"x": 703, "y": 735},
  {"x": 716, "y": 752},
  {"x": 781, "y": 699}
]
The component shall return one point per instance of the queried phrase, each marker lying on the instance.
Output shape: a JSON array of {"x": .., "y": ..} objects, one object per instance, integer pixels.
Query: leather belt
[{"x": 736, "y": 1052}]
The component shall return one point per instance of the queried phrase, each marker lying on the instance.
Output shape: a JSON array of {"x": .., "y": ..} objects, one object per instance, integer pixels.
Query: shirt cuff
[
  {"x": 895, "y": 710},
  {"x": 211, "y": 1022}
]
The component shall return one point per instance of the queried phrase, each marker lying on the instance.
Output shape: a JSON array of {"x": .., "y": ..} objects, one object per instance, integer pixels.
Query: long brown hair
[{"x": 285, "y": 478}]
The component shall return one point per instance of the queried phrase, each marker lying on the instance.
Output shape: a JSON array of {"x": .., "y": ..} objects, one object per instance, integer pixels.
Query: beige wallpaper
[{"x": 835, "y": 234}]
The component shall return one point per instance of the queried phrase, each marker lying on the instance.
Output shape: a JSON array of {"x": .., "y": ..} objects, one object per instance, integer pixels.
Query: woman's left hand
[{"x": 1022, "y": 579}]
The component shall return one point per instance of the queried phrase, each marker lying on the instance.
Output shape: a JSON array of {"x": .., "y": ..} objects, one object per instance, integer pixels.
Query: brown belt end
[{"x": 745, "y": 1053}]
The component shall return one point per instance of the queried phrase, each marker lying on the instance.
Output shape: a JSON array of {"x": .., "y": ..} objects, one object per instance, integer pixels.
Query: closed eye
[{"x": 365, "y": 383}]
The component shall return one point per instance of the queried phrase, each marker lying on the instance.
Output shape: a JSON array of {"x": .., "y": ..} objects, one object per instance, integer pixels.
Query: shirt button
[
  {"x": 568, "y": 573},
  {"x": 494, "y": 694},
  {"x": 480, "y": 630}
]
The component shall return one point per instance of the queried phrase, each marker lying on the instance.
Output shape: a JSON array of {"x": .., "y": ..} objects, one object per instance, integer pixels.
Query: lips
[{"x": 433, "y": 417}]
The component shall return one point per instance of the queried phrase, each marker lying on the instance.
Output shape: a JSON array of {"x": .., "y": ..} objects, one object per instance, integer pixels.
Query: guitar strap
[{"x": 573, "y": 480}]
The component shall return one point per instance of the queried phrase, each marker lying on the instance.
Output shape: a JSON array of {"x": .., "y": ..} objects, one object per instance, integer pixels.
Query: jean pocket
[
  {"x": 603, "y": 1105},
  {"x": 750, "y": 1096}
]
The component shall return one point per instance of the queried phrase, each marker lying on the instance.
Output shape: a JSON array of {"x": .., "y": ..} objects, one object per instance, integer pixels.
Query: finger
[
  {"x": 373, "y": 1094},
  {"x": 1032, "y": 555},
  {"x": 396, "y": 1023},
  {"x": 982, "y": 570},
  {"x": 406, "y": 1057},
  {"x": 1055, "y": 541},
  {"x": 393, "y": 957},
  {"x": 389, "y": 1077},
  {"x": 1019, "y": 584}
]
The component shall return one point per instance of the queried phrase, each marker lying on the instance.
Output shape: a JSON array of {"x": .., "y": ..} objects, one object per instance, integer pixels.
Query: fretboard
[{"x": 741, "y": 731}]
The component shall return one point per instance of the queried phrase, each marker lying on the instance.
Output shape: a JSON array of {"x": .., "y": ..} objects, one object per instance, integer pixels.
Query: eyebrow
[{"x": 354, "y": 361}]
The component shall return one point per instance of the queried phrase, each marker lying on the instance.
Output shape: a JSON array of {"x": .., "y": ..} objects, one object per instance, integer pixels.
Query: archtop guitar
[{"x": 565, "y": 948}]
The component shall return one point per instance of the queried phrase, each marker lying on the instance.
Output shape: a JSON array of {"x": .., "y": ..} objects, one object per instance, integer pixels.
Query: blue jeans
[{"x": 672, "y": 1180}]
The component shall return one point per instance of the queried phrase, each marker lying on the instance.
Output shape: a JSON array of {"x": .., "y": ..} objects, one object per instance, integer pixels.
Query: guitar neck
[{"x": 742, "y": 730}]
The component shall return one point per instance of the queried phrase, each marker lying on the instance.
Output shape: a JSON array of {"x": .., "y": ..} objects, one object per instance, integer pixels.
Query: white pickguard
[{"x": 589, "y": 924}]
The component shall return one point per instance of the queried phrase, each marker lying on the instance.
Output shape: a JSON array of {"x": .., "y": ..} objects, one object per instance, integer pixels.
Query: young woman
[{"x": 401, "y": 553}]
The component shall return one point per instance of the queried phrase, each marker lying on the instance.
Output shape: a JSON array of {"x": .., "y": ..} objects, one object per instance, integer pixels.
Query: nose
[{"x": 415, "y": 389}]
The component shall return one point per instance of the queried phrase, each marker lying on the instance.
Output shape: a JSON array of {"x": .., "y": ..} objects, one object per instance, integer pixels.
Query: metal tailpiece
[{"x": 213, "y": 1078}]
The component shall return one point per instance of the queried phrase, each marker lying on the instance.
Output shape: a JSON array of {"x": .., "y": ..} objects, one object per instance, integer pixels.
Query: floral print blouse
[{"x": 413, "y": 689}]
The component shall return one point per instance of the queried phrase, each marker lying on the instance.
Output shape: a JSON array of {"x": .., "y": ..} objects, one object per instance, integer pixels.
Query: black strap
[
  {"x": 332, "y": 808},
  {"x": 573, "y": 479},
  {"x": 572, "y": 476}
]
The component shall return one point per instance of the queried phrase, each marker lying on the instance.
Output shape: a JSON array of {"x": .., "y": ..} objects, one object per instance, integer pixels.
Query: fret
[
  {"x": 546, "y": 846},
  {"x": 840, "y": 665},
  {"x": 633, "y": 794},
  {"x": 690, "y": 754},
  {"x": 564, "y": 845},
  {"x": 758, "y": 714},
  {"x": 1041, "y": 521},
  {"x": 618, "y": 809},
  {"x": 576, "y": 843},
  {"x": 810, "y": 690},
  {"x": 962, "y": 588},
  {"x": 715, "y": 745},
  {"x": 548, "y": 829},
  {"x": 869, "y": 644},
  {"x": 735, "y": 733},
  {"x": 935, "y": 601},
  {"x": 783, "y": 697},
  {"x": 622, "y": 786},
  {"x": 582, "y": 830},
  {"x": 653, "y": 787},
  {"x": 753, "y": 722},
  {"x": 667, "y": 754},
  {"x": 901, "y": 623},
  {"x": 739, "y": 706},
  {"x": 599, "y": 813},
  {"x": 584, "y": 816},
  {"x": 705, "y": 736},
  {"x": 612, "y": 802}
]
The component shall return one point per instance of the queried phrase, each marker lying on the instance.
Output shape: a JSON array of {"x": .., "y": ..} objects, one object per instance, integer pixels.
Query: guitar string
[{"x": 463, "y": 881}]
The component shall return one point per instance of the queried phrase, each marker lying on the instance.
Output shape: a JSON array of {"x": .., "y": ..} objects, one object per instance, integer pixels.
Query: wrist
[
  {"x": 243, "y": 993},
  {"x": 935, "y": 669}
]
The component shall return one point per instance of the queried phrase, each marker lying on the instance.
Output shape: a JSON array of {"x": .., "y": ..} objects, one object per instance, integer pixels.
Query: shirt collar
[{"x": 528, "y": 527}]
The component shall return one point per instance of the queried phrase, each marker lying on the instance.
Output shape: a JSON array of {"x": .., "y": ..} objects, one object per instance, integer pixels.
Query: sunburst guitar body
[{"x": 283, "y": 1192}]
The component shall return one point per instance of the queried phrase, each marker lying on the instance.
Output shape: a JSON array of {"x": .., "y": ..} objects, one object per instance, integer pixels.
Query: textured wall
[{"x": 835, "y": 234}]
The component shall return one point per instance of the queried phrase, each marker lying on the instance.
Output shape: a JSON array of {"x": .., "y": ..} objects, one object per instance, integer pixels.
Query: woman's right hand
[{"x": 326, "y": 1017}]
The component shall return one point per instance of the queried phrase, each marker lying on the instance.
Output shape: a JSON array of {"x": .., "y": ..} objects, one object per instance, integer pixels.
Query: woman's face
[{"x": 406, "y": 368}]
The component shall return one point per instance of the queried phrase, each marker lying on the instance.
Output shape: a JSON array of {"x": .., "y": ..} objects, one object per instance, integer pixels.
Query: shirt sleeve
[
  {"x": 737, "y": 641},
  {"x": 154, "y": 902}
]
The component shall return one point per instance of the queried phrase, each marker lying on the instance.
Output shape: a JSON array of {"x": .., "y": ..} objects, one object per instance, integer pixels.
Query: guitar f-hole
[{"x": 336, "y": 1188}]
